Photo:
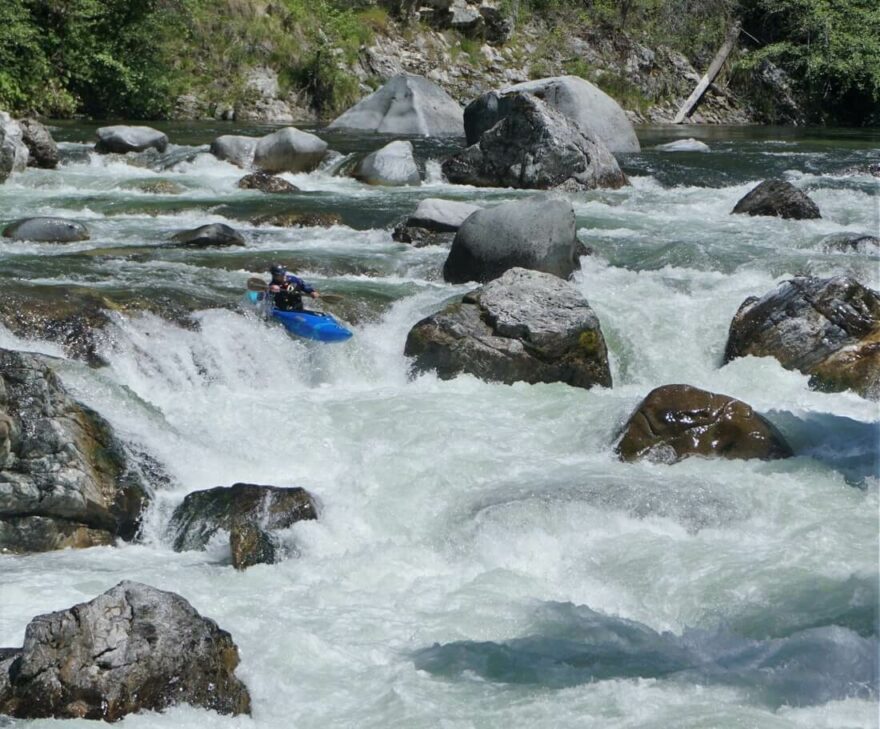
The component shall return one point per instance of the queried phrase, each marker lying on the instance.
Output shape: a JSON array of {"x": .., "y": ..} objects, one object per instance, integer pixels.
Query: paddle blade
[
  {"x": 256, "y": 284},
  {"x": 331, "y": 298}
]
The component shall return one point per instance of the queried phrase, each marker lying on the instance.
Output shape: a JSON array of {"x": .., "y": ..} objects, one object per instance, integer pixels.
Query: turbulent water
[{"x": 481, "y": 559}]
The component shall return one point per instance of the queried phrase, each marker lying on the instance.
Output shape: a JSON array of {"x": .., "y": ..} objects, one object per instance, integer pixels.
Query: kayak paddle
[{"x": 257, "y": 284}]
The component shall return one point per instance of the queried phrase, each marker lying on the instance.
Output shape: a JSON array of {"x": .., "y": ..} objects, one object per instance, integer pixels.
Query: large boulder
[
  {"x": 65, "y": 480},
  {"x": 207, "y": 236},
  {"x": 247, "y": 512},
  {"x": 408, "y": 105},
  {"x": 13, "y": 152},
  {"x": 134, "y": 648},
  {"x": 535, "y": 147},
  {"x": 394, "y": 165},
  {"x": 780, "y": 199},
  {"x": 525, "y": 326},
  {"x": 235, "y": 149},
  {"x": 266, "y": 183},
  {"x": 677, "y": 421},
  {"x": 537, "y": 233},
  {"x": 434, "y": 222},
  {"x": 289, "y": 150},
  {"x": 47, "y": 230},
  {"x": 580, "y": 101},
  {"x": 43, "y": 150},
  {"x": 121, "y": 139},
  {"x": 827, "y": 328}
]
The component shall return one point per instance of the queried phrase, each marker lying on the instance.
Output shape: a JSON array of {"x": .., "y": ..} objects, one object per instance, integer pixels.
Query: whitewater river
[{"x": 481, "y": 558}]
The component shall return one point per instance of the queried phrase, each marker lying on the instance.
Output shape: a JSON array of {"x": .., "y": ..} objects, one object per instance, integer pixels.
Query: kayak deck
[{"x": 315, "y": 325}]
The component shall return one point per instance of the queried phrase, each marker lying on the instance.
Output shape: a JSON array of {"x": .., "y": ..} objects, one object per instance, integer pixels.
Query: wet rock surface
[
  {"x": 207, "y": 236},
  {"x": 43, "y": 149},
  {"x": 47, "y": 230},
  {"x": 393, "y": 165},
  {"x": 248, "y": 512},
  {"x": 289, "y": 150},
  {"x": 536, "y": 233},
  {"x": 14, "y": 153},
  {"x": 134, "y": 648},
  {"x": 677, "y": 421},
  {"x": 65, "y": 479},
  {"x": 266, "y": 183},
  {"x": 827, "y": 328},
  {"x": 236, "y": 149},
  {"x": 524, "y": 326},
  {"x": 121, "y": 139},
  {"x": 780, "y": 199}
]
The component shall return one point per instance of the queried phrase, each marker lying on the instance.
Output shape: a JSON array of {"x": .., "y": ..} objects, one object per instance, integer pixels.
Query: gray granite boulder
[
  {"x": 134, "y": 648},
  {"x": 581, "y": 102},
  {"x": 208, "y": 236},
  {"x": 524, "y": 326},
  {"x": 47, "y": 230},
  {"x": 536, "y": 232},
  {"x": 406, "y": 105},
  {"x": 121, "y": 139},
  {"x": 677, "y": 421},
  {"x": 289, "y": 150},
  {"x": 393, "y": 165},
  {"x": 434, "y": 222},
  {"x": 266, "y": 183},
  {"x": 65, "y": 479},
  {"x": 236, "y": 149},
  {"x": 535, "y": 147},
  {"x": 249, "y": 513},
  {"x": 43, "y": 149},
  {"x": 826, "y": 328},
  {"x": 780, "y": 199},
  {"x": 13, "y": 151}
]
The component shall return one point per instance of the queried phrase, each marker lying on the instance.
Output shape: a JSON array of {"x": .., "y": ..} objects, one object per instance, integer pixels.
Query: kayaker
[{"x": 288, "y": 289}]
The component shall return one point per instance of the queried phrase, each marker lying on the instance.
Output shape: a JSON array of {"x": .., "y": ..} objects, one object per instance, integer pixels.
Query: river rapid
[{"x": 481, "y": 559}]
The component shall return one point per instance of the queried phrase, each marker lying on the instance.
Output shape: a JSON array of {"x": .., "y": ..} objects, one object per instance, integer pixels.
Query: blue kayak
[{"x": 308, "y": 324}]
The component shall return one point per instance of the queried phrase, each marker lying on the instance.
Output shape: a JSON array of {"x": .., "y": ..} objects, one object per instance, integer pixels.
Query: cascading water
[{"x": 481, "y": 557}]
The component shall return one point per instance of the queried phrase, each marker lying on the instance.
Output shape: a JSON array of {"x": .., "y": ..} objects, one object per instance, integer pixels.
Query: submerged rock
[
  {"x": 289, "y": 150},
  {"x": 434, "y": 222},
  {"x": 780, "y": 199},
  {"x": 537, "y": 233},
  {"x": 13, "y": 151},
  {"x": 134, "y": 648},
  {"x": 684, "y": 145},
  {"x": 161, "y": 187},
  {"x": 205, "y": 236},
  {"x": 581, "y": 102},
  {"x": 525, "y": 326},
  {"x": 827, "y": 328},
  {"x": 249, "y": 513},
  {"x": 406, "y": 105},
  {"x": 43, "y": 150},
  {"x": 299, "y": 219},
  {"x": 393, "y": 165},
  {"x": 235, "y": 149},
  {"x": 121, "y": 139},
  {"x": 47, "y": 230},
  {"x": 535, "y": 147},
  {"x": 677, "y": 421},
  {"x": 266, "y": 183},
  {"x": 851, "y": 243},
  {"x": 65, "y": 480}
]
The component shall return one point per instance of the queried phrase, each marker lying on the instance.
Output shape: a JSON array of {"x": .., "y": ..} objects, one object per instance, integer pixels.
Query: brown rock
[{"x": 266, "y": 183}]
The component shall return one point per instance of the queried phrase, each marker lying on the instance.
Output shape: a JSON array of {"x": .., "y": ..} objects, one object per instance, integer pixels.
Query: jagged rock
[
  {"x": 826, "y": 328},
  {"x": 434, "y": 222},
  {"x": 266, "y": 183},
  {"x": 215, "y": 234},
  {"x": 781, "y": 106},
  {"x": 872, "y": 168},
  {"x": 535, "y": 147},
  {"x": 524, "y": 326},
  {"x": 134, "y": 648},
  {"x": 298, "y": 219},
  {"x": 584, "y": 104},
  {"x": 13, "y": 151},
  {"x": 684, "y": 145},
  {"x": 121, "y": 139},
  {"x": 677, "y": 421},
  {"x": 235, "y": 149},
  {"x": 393, "y": 165},
  {"x": 65, "y": 480},
  {"x": 497, "y": 27},
  {"x": 407, "y": 105},
  {"x": 161, "y": 187},
  {"x": 289, "y": 150},
  {"x": 537, "y": 233},
  {"x": 47, "y": 230},
  {"x": 851, "y": 243},
  {"x": 780, "y": 199},
  {"x": 247, "y": 511},
  {"x": 42, "y": 148}
]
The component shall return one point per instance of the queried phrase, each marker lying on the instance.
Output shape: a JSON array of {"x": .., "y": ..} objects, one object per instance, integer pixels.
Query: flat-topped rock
[
  {"x": 207, "y": 236},
  {"x": 121, "y": 139}
]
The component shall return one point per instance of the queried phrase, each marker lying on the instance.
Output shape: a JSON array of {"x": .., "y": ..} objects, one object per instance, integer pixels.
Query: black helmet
[{"x": 277, "y": 270}]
